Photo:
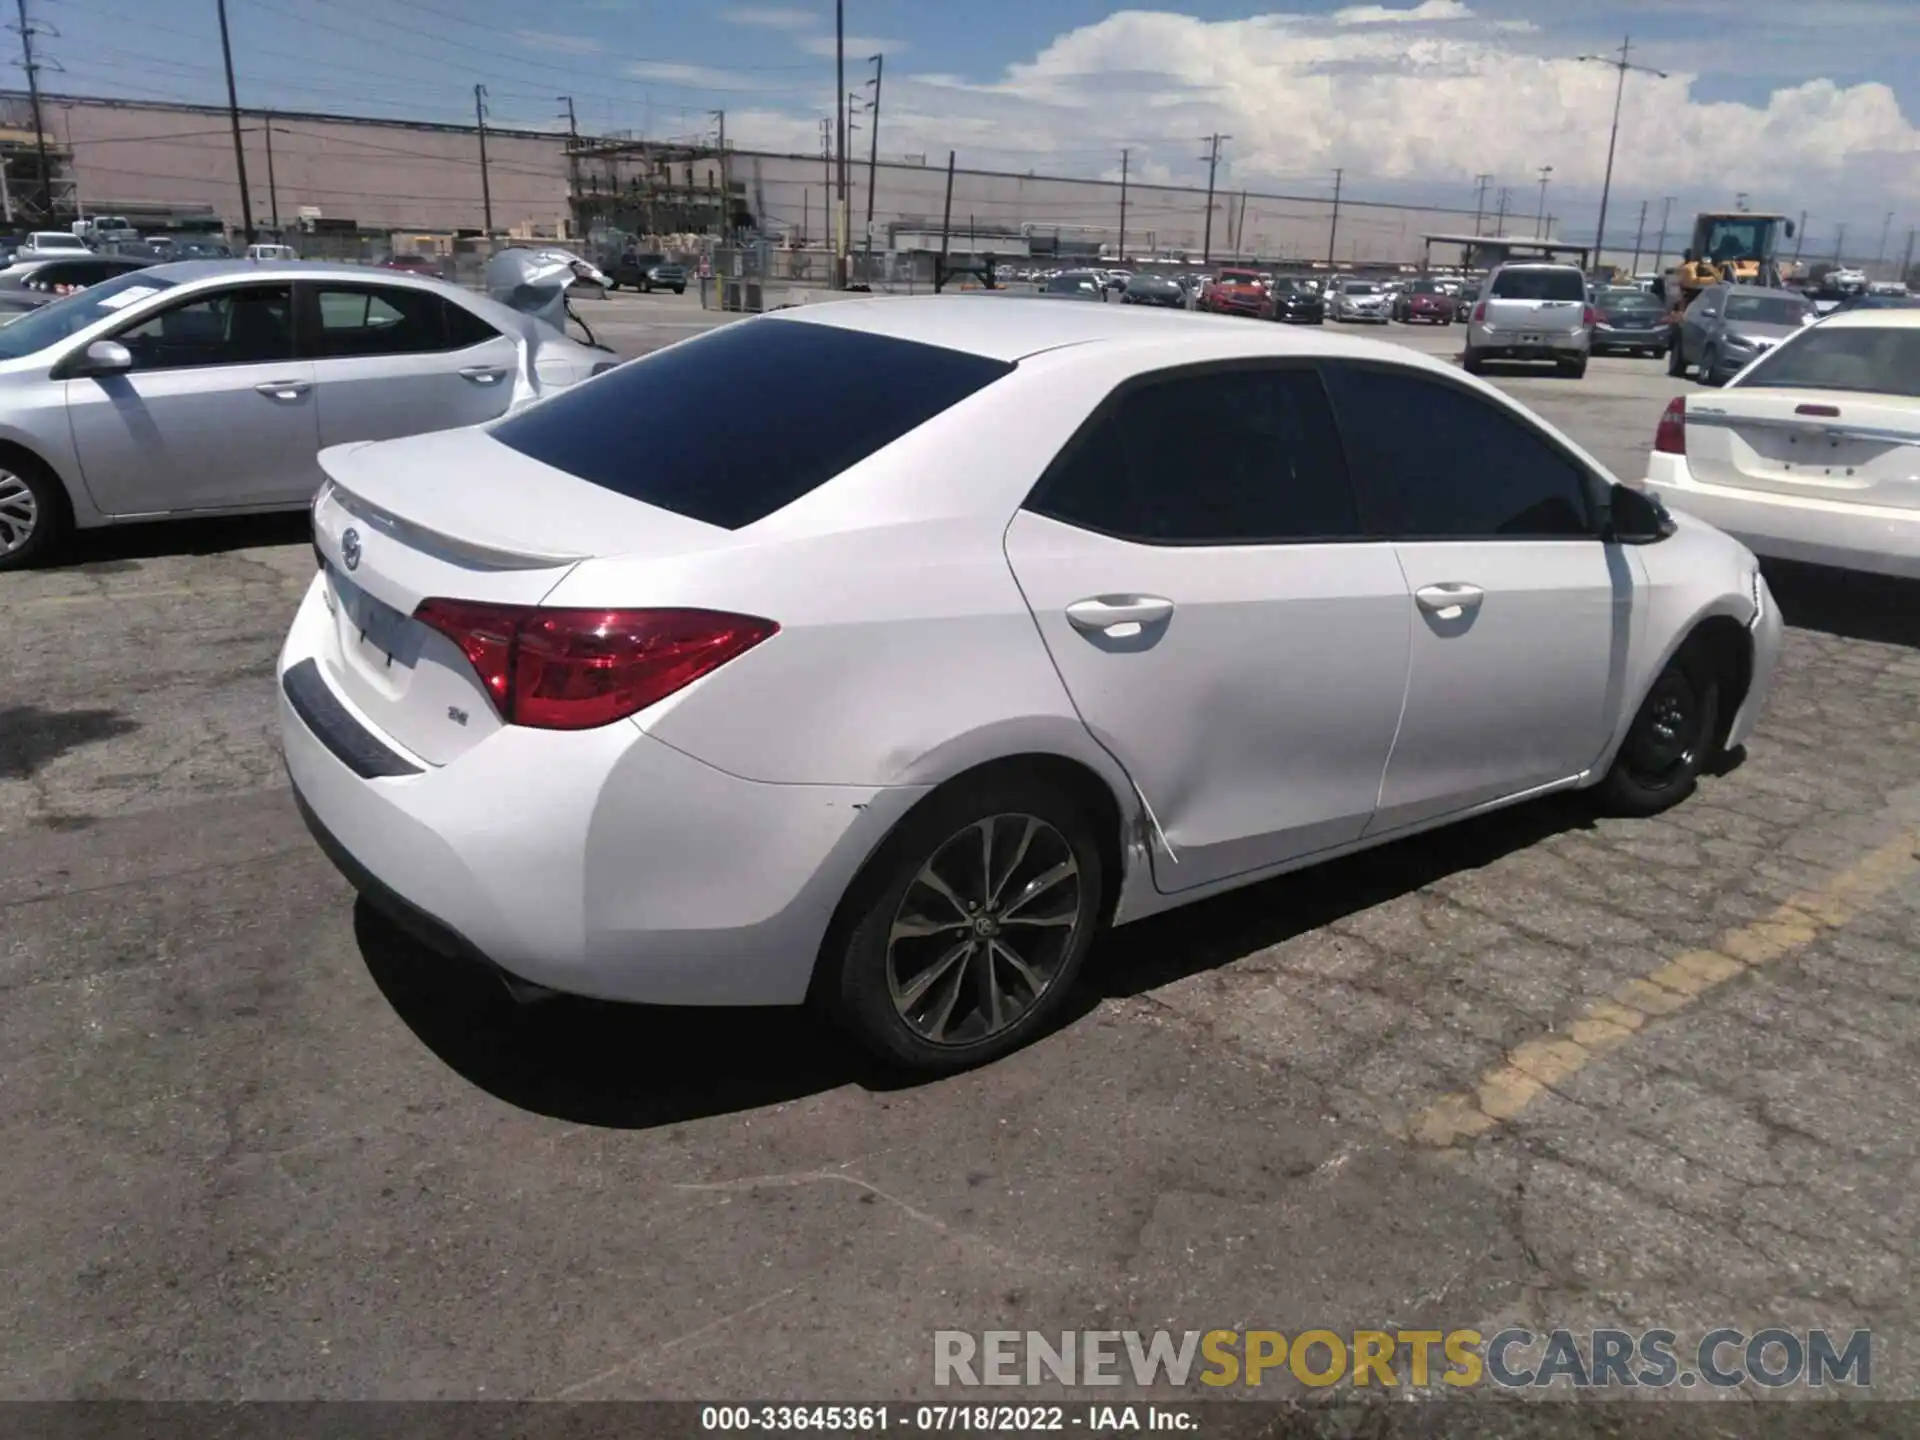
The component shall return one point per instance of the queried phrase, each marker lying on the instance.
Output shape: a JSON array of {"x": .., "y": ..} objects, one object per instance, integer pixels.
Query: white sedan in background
[
  {"x": 1812, "y": 452},
  {"x": 1079, "y": 615}
]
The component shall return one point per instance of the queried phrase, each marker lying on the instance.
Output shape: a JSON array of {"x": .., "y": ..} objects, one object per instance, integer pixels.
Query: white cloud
[
  {"x": 675, "y": 75},
  {"x": 770, "y": 17},
  {"x": 1403, "y": 102},
  {"x": 1423, "y": 13},
  {"x": 856, "y": 45},
  {"x": 558, "y": 44}
]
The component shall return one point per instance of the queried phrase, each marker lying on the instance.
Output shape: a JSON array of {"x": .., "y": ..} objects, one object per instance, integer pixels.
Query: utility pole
[
  {"x": 273, "y": 186},
  {"x": 1481, "y": 182},
  {"x": 233, "y": 114},
  {"x": 1799, "y": 238},
  {"x": 1660, "y": 245},
  {"x": 573, "y": 152},
  {"x": 840, "y": 144},
  {"x": 946, "y": 224},
  {"x": 1540, "y": 219},
  {"x": 873, "y": 154},
  {"x": 1639, "y": 234},
  {"x": 1880, "y": 255},
  {"x": 1619, "y": 92},
  {"x": 726, "y": 189},
  {"x": 1906, "y": 263},
  {"x": 1333, "y": 229},
  {"x": 32, "y": 67},
  {"x": 1125, "y": 157},
  {"x": 1839, "y": 242},
  {"x": 1213, "y": 166},
  {"x": 486, "y": 182},
  {"x": 1500, "y": 220}
]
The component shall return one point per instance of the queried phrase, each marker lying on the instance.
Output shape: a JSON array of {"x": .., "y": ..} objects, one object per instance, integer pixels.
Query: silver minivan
[{"x": 1532, "y": 311}]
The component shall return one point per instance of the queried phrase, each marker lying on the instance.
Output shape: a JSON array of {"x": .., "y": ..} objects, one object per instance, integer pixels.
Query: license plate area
[{"x": 372, "y": 632}]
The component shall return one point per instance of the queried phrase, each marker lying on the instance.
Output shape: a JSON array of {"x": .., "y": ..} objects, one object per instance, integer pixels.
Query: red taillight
[
  {"x": 1671, "y": 437},
  {"x": 1588, "y": 318},
  {"x": 1480, "y": 312},
  {"x": 576, "y": 669}
]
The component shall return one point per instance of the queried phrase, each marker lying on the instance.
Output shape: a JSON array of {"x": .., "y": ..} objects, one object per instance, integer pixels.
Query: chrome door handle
[
  {"x": 482, "y": 374},
  {"x": 1118, "y": 615},
  {"x": 1448, "y": 600},
  {"x": 283, "y": 389}
]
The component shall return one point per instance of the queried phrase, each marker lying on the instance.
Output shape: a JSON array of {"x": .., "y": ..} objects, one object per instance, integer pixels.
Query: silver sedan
[{"x": 211, "y": 386}]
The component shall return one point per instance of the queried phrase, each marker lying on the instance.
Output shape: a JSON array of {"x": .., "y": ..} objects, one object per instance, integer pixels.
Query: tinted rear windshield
[
  {"x": 1876, "y": 360},
  {"x": 1539, "y": 285},
  {"x": 737, "y": 424},
  {"x": 1767, "y": 309}
]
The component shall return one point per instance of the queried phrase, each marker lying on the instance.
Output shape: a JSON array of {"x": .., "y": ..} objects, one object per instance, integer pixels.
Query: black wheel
[
  {"x": 1709, "y": 371},
  {"x": 1471, "y": 363},
  {"x": 1573, "y": 369},
  {"x": 1672, "y": 737},
  {"x": 965, "y": 932},
  {"x": 679, "y": 289},
  {"x": 33, "y": 513},
  {"x": 1676, "y": 361},
  {"x": 612, "y": 285}
]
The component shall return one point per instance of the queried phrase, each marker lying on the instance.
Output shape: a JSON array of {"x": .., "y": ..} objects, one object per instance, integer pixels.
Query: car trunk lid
[
  {"x": 1831, "y": 445},
  {"x": 454, "y": 515}
]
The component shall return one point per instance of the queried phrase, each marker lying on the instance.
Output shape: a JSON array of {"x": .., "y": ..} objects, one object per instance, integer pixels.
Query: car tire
[
  {"x": 897, "y": 992},
  {"x": 1676, "y": 361},
  {"x": 1673, "y": 736},
  {"x": 1471, "y": 363},
  {"x": 679, "y": 289},
  {"x": 1708, "y": 373},
  {"x": 612, "y": 285},
  {"x": 1573, "y": 369},
  {"x": 31, "y": 501}
]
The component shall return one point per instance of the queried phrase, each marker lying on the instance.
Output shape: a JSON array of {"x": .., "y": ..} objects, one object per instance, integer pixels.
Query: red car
[
  {"x": 1426, "y": 303},
  {"x": 412, "y": 264},
  {"x": 1239, "y": 292}
]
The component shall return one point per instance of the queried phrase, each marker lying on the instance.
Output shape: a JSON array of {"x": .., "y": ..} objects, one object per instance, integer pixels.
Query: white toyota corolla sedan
[{"x": 880, "y": 653}]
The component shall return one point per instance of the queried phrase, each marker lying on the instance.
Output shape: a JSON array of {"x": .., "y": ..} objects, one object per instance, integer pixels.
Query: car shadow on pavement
[
  {"x": 1204, "y": 936},
  {"x": 591, "y": 1062},
  {"x": 639, "y": 1066},
  {"x": 1846, "y": 603},
  {"x": 111, "y": 544}
]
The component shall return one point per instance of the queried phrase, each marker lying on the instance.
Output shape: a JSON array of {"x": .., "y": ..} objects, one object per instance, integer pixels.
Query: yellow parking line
[{"x": 1540, "y": 1064}]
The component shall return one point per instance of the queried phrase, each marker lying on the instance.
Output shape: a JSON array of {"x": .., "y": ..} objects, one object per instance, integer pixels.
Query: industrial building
[{"x": 161, "y": 164}]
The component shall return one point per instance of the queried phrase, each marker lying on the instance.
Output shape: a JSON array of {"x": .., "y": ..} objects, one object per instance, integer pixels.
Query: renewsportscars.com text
[{"x": 1509, "y": 1359}]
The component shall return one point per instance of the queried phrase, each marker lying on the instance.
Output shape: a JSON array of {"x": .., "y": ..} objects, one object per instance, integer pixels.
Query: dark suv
[{"x": 647, "y": 273}]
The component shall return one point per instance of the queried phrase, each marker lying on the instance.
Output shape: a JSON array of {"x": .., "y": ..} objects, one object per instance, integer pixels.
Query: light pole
[
  {"x": 1660, "y": 245},
  {"x": 1613, "y": 137},
  {"x": 1880, "y": 255},
  {"x": 1540, "y": 220},
  {"x": 1480, "y": 183}
]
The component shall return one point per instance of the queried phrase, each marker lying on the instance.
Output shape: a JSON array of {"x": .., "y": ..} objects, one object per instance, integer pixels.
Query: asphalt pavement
[{"x": 1539, "y": 1069}]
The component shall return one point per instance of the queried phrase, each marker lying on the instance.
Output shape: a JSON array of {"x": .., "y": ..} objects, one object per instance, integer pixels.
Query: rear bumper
[
  {"x": 1877, "y": 539},
  {"x": 599, "y": 862},
  {"x": 1494, "y": 344}
]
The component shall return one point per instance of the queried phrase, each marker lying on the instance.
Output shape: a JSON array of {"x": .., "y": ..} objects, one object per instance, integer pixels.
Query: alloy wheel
[
  {"x": 1665, "y": 739},
  {"x": 984, "y": 929},
  {"x": 19, "y": 512}
]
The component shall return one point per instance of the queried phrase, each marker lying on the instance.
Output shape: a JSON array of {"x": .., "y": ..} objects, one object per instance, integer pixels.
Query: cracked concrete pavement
[{"x": 259, "y": 1147}]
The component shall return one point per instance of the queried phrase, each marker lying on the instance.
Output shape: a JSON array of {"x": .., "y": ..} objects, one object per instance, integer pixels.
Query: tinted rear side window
[
  {"x": 1539, "y": 285},
  {"x": 742, "y": 422}
]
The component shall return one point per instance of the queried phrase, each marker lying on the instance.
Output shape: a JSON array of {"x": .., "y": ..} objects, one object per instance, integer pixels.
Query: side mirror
[
  {"x": 103, "y": 357},
  {"x": 1791, "y": 230},
  {"x": 1635, "y": 517}
]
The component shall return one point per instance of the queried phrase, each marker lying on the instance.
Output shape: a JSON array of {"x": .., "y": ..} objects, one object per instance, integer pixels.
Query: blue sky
[{"x": 1801, "y": 104}]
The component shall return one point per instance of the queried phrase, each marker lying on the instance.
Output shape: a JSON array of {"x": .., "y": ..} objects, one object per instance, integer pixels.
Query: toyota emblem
[{"x": 350, "y": 548}]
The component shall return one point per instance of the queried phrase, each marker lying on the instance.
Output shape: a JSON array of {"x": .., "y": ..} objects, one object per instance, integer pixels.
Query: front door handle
[
  {"x": 1448, "y": 600},
  {"x": 1118, "y": 615},
  {"x": 283, "y": 389},
  {"x": 482, "y": 374}
]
